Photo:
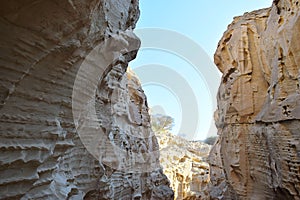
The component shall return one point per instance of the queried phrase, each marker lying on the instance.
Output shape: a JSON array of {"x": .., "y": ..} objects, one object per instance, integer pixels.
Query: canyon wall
[
  {"x": 43, "y": 47},
  {"x": 257, "y": 155},
  {"x": 185, "y": 164}
]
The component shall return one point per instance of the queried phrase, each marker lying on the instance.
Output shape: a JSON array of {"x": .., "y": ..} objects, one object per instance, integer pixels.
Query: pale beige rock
[
  {"x": 43, "y": 44},
  {"x": 129, "y": 129},
  {"x": 257, "y": 155},
  {"x": 184, "y": 163}
]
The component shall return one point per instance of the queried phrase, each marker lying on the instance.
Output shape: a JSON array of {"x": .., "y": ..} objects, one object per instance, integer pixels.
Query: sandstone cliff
[
  {"x": 184, "y": 163},
  {"x": 257, "y": 155},
  {"x": 43, "y": 45}
]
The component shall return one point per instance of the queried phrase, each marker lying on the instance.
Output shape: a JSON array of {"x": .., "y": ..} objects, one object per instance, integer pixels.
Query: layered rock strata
[
  {"x": 43, "y": 46},
  {"x": 184, "y": 163},
  {"x": 257, "y": 155}
]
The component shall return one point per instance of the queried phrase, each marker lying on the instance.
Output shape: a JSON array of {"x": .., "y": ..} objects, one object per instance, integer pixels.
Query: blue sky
[{"x": 204, "y": 22}]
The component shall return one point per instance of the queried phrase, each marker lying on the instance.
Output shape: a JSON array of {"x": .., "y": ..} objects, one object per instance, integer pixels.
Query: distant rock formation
[
  {"x": 257, "y": 155},
  {"x": 43, "y": 44},
  {"x": 184, "y": 163}
]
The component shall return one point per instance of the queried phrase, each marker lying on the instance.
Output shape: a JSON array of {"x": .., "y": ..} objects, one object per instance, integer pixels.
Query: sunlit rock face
[
  {"x": 257, "y": 155},
  {"x": 184, "y": 163},
  {"x": 43, "y": 44}
]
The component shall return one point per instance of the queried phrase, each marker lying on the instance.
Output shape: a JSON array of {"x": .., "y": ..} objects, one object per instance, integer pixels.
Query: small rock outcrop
[
  {"x": 257, "y": 155},
  {"x": 184, "y": 163},
  {"x": 43, "y": 45}
]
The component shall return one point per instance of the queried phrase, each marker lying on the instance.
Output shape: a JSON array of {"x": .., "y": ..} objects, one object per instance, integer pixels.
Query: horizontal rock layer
[
  {"x": 43, "y": 45},
  {"x": 257, "y": 155}
]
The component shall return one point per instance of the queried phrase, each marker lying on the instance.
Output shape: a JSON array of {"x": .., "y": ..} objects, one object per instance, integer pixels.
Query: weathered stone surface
[
  {"x": 184, "y": 163},
  {"x": 42, "y": 46},
  {"x": 257, "y": 155},
  {"x": 140, "y": 175}
]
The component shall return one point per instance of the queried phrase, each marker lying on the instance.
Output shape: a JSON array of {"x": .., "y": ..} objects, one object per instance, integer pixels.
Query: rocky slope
[
  {"x": 184, "y": 163},
  {"x": 44, "y": 154},
  {"x": 257, "y": 155}
]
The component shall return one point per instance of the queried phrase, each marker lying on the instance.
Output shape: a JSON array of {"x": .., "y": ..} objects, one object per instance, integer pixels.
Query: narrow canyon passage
[{"x": 75, "y": 123}]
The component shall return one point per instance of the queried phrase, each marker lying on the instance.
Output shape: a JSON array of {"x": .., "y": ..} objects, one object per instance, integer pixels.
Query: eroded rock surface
[
  {"x": 43, "y": 44},
  {"x": 257, "y": 155},
  {"x": 184, "y": 163}
]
